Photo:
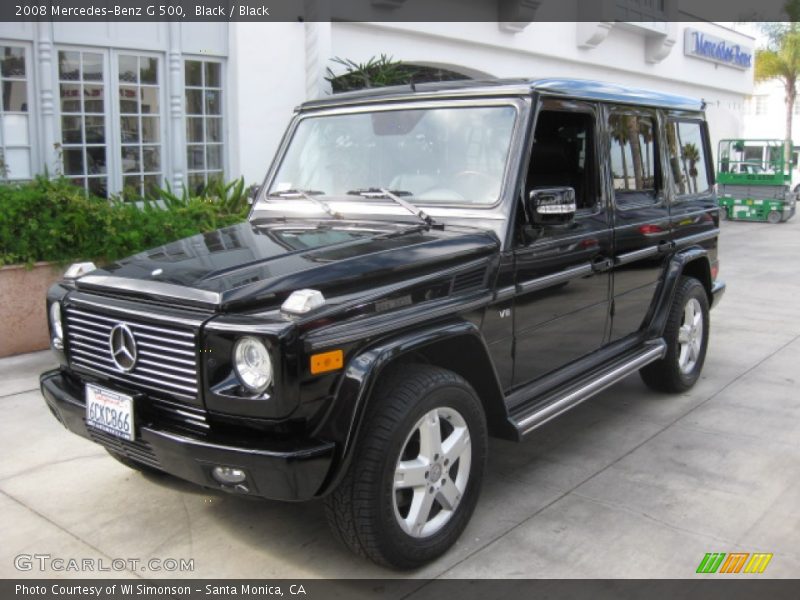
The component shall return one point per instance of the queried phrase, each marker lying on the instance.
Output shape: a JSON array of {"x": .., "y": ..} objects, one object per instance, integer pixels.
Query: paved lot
[{"x": 631, "y": 484}]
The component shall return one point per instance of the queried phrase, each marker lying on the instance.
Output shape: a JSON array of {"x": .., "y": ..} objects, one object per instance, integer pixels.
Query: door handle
[
  {"x": 601, "y": 264},
  {"x": 665, "y": 246}
]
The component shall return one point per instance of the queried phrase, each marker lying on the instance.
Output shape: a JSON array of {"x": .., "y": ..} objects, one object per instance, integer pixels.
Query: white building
[
  {"x": 764, "y": 116},
  {"x": 127, "y": 105}
]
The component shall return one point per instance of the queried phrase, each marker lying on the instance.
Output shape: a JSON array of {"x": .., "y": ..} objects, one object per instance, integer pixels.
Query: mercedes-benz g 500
[{"x": 422, "y": 268}]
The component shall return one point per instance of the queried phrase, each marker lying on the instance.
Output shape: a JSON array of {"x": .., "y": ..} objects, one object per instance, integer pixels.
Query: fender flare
[
  {"x": 347, "y": 411},
  {"x": 675, "y": 269}
]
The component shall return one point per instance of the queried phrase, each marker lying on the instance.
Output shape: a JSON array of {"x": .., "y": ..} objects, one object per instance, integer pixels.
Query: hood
[{"x": 260, "y": 264}]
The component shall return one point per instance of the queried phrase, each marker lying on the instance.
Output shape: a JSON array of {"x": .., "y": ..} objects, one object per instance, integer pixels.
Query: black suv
[{"x": 422, "y": 268}]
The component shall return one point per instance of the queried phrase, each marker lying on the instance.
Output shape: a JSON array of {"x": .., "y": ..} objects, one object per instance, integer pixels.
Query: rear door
[{"x": 642, "y": 236}]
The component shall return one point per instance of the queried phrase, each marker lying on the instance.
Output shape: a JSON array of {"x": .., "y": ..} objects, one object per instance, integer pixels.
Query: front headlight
[
  {"x": 55, "y": 322},
  {"x": 252, "y": 364}
]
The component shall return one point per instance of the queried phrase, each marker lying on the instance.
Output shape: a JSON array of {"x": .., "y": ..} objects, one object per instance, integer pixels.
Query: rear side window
[
  {"x": 687, "y": 158},
  {"x": 634, "y": 159}
]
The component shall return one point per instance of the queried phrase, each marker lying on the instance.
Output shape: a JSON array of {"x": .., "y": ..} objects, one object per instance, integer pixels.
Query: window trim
[
  {"x": 594, "y": 111},
  {"x": 59, "y": 114},
  {"x": 112, "y": 110},
  {"x": 33, "y": 114},
  {"x": 706, "y": 159},
  {"x": 163, "y": 115},
  {"x": 223, "y": 114}
]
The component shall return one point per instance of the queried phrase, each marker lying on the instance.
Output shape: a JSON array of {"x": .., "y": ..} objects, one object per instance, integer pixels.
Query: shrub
[{"x": 52, "y": 220}]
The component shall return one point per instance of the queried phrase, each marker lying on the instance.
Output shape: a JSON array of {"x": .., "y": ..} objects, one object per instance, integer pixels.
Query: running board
[{"x": 539, "y": 411}]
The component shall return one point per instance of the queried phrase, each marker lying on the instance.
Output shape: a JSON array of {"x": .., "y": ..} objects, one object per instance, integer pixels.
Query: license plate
[{"x": 109, "y": 411}]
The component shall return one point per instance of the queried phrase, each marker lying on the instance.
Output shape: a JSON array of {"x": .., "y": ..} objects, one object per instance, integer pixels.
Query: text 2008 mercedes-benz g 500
[{"x": 422, "y": 268}]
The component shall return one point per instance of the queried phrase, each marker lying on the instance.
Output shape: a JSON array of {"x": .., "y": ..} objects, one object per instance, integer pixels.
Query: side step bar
[{"x": 539, "y": 411}]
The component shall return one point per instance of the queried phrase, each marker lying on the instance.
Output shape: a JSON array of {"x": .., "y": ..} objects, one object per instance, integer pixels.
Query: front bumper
[
  {"x": 717, "y": 291},
  {"x": 280, "y": 471}
]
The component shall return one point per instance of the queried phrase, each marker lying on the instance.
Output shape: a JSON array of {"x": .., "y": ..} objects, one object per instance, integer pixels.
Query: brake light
[{"x": 714, "y": 270}]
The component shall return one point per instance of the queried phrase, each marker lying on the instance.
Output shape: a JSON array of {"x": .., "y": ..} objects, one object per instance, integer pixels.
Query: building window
[
  {"x": 15, "y": 138},
  {"x": 761, "y": 105},
  {"x": 687, "y": 158},
  {"x": 203, "y": 84},
  {"x": 140, "y": 125},
  {"x": 640, "y": 10},
  {"x": 81, "y": 77}
]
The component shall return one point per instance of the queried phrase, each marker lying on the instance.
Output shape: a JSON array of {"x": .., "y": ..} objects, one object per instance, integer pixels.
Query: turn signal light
[{"x": 327, "y": 361}]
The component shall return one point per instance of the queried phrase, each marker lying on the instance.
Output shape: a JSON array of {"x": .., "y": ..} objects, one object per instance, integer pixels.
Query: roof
[{"x": 574, "y": 88}]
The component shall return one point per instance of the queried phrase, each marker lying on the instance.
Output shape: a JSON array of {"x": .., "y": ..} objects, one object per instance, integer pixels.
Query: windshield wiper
[
  {"x": 310, "y": 196},
  {"x": 395, "y": 196}
]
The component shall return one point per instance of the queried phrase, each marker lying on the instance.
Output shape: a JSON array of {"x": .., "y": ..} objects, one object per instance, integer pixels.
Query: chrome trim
[
  {"x": 518, "y": 102},
  {"x": 697, "y": 237},
  {"x": 79, "y": 299},
  {"x": 629, "y": 257},
  {"x": 152, "y": 385},
  {"x": 539, "y": 417},
  {"x": 159, "y": 288},
  {"x": 505, "y": 293},
  {"x": 354, "y": 207},
  {"x": 542, "y": 282},
  {"x": 140, "y": 325},
  {"x": 176, "y": 368},
  {"x": 164, "y": 364}
]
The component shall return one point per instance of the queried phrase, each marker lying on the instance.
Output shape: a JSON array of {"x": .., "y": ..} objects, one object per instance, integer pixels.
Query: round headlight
[
  {"x": 55, "y": 321},
  {"x": 252, "y": 364}
]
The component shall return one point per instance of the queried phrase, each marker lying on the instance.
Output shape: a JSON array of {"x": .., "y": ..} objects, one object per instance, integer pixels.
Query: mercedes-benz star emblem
[{"x": 123, "y": 347}]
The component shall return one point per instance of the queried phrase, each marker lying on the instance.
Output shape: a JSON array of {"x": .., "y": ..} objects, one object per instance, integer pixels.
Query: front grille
[
  {"x": 139, "y": 450},
  {"x": 166, "y": 361}
]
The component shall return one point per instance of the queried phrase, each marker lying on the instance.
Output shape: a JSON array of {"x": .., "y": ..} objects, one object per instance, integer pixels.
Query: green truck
[{"x": 753, "y": 181}]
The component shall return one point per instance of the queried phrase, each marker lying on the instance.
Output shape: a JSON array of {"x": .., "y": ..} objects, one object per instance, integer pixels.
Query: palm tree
[
  {"x": 692, "y": 154},
  {"x": 633, "y": 131},
  {"x": 781, "y": 61},
  {"x": 619, "y": 133}
]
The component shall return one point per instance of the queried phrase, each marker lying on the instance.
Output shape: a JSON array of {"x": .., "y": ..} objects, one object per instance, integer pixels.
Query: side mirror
[{"x": 552, "y": 206}]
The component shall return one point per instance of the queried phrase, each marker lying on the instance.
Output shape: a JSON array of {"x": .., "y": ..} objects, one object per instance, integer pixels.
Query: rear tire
[
  {"x": 686, "y": 334},
  {"x": 416, "y": 474}
]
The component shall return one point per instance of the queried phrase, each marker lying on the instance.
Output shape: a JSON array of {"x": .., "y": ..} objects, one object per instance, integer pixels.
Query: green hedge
[{"x": 52, "y": 220}]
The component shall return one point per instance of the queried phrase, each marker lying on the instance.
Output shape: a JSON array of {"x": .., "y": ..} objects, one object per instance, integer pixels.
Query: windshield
[{"x": 433, "y": 155}]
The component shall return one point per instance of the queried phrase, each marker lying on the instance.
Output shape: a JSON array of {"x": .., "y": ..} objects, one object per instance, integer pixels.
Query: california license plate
[{"x": 109, "y": 411}]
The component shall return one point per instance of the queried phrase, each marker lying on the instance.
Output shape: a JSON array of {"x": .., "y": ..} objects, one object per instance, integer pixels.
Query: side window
[
  {"x": 563, "y": 155},
  {"x": 687, "y": 158},
  {"x": 634, "y": 159}
]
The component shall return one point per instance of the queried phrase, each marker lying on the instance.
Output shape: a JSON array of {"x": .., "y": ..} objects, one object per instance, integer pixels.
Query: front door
[{"x": 561, "y": 268}]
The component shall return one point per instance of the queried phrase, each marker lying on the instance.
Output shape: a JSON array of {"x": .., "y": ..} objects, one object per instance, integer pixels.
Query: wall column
[
  {"x": 176, "y": 154},
  {"x": 50, "y": 156},
  {"x": 317, "y": 39}
]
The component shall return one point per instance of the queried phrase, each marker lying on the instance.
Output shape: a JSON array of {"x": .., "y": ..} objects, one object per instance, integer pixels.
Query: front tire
[
  {"x": 416, "y": 474},
  {"x": 686, "y": 334},
  {"x": 774, "y": 217}
]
